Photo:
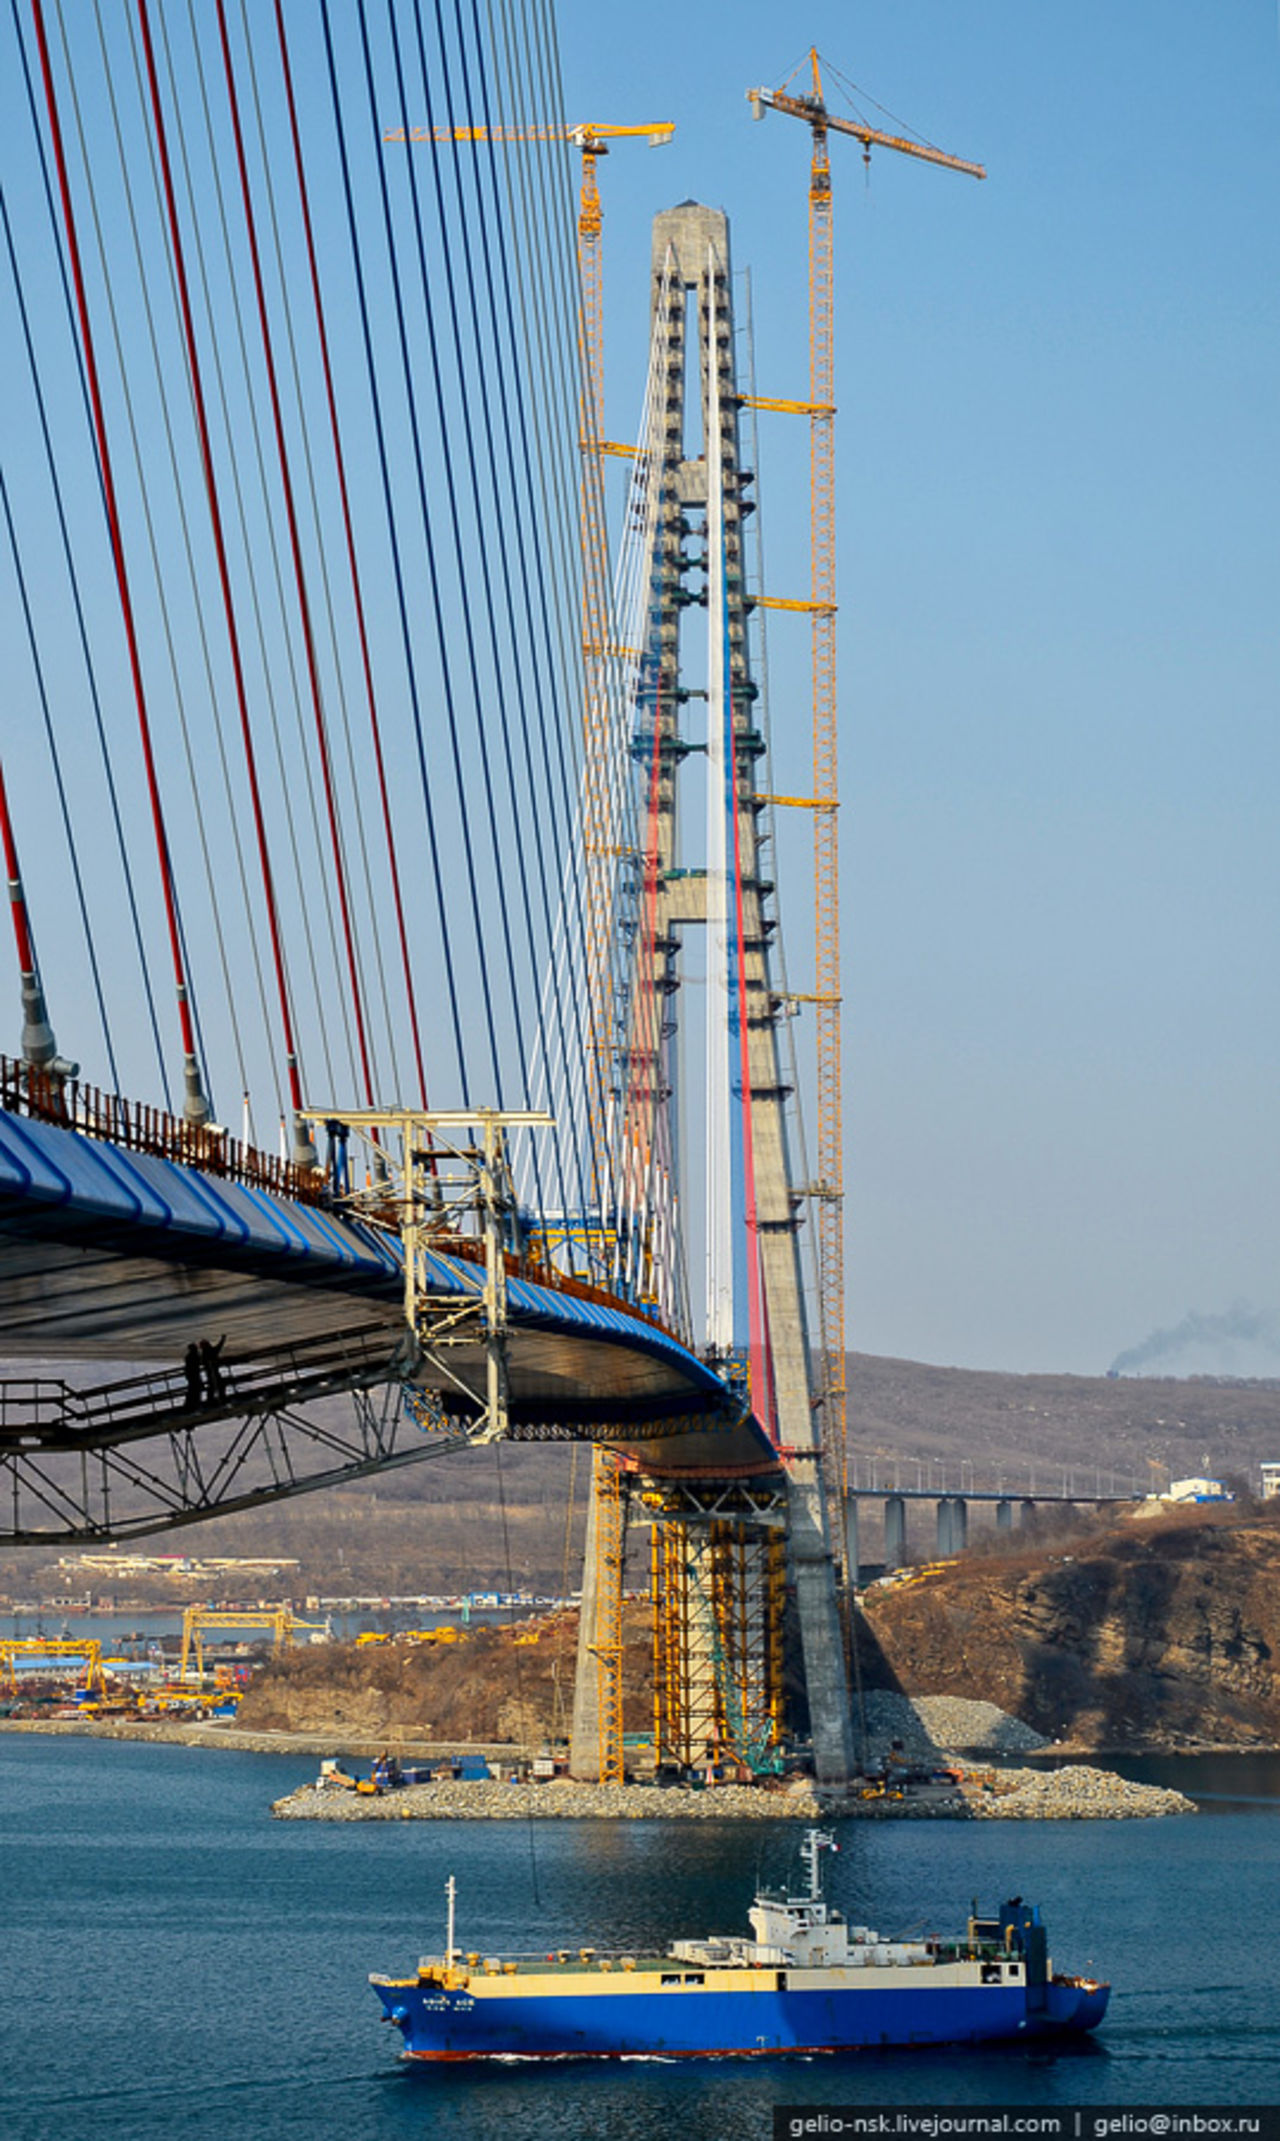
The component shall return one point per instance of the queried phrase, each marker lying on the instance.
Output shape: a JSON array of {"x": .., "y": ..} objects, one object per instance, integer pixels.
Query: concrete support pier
[
  {"x": 895, "y": 1531},
  {"x": 1004, "y": 1516},
  {"x": 953, "y": 1524}
]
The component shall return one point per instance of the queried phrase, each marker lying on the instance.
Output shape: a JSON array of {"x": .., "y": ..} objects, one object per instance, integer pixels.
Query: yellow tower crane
[
  {"x": 592, "y": 140},
  {"x": 820, "y": 409}
]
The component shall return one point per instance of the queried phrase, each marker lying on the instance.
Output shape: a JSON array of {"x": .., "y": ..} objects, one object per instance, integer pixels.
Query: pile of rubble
[
  {"x": 1077, "y": 1793},
  {"x": 931, "y": 1728}
]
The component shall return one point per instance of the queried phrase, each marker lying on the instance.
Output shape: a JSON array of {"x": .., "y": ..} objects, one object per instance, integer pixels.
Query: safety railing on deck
[{"x": 136, "y": 1127}]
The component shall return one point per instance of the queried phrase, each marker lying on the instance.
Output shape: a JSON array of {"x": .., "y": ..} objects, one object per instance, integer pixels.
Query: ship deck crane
[{"x": 820, "y": 409}]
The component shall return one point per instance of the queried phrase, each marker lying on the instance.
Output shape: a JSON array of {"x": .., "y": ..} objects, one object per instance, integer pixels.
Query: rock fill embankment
[
  {"x": 928, "y": 1727},
  {"x": 1074, "y": 1794},
  {"x": 1077, "y": 1793}
]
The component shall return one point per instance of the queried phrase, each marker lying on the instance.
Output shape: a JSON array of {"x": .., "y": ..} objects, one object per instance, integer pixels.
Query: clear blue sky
[{"x": 1059, "y": 565}]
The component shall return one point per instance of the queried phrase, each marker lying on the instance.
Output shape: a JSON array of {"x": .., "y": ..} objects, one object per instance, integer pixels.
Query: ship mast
[{"x": 816, "y": 1841}]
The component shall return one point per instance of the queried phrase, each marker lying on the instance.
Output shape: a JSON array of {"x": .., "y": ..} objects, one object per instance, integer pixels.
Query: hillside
[
  {"x": 1159, "y": 1633},
  {"x": 1132, "y": 1426},
  {"x": 467, "y": 1521},
  {"x": 502, "y": 1683},
  {"x": 1162, "y": 1632}
]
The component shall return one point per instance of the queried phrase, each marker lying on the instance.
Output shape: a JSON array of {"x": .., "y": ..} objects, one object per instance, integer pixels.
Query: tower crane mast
[{"x": 824, "y": 803}]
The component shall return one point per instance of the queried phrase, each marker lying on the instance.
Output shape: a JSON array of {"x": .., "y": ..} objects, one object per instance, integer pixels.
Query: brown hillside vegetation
[
  {"x": 1082, "y": 1423},
  {"x": 501, "y": 1683},
  {"x": 1154, "y": 1633},
  {"x": 1161, "y": 1633}
]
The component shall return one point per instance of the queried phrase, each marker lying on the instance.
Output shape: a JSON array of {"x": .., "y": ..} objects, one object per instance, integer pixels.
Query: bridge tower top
[{"x": 684, "y": 237}]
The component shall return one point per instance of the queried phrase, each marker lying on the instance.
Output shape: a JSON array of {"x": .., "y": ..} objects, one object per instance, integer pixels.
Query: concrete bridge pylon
[{"x": 694, "y": 493}]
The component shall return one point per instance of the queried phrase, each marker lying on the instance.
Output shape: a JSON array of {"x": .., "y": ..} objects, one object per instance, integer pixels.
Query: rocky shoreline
[
  {"x": 1076, "y": 1794},
  {"x": 239, "y": 1740}
]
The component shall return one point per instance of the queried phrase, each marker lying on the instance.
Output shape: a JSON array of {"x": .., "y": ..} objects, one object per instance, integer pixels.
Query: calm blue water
[{"x": 175, "y": 1963}]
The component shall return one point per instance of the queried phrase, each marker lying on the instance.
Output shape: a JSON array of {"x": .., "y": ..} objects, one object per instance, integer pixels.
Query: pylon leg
[{"x": 595, "y": 1746}]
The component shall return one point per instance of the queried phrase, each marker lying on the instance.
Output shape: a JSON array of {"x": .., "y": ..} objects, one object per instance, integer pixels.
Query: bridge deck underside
[{"x": 114, "y": 1256}]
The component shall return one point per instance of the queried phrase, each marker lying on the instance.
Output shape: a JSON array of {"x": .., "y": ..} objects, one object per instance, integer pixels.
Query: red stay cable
[
  {"x": 117, "y": 551},
  {"x": 299, "y": 573},
  {"x": 357, "y": 593},
  {"x": 17, "y": 897},
  {"x": 224, "y": 574},
  {"x": 760, "y": 1361}
]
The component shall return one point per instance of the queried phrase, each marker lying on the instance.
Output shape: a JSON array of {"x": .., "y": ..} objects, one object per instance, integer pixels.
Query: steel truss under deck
[{"x": 122, "y": 1459}]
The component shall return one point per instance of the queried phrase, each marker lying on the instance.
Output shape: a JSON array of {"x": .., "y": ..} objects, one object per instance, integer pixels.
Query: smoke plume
[{"x": 1238, "y": 1342}]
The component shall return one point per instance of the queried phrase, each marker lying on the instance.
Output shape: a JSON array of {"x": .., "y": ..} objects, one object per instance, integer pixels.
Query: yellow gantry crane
[
  {"x": 820, "y": 410},
  {"x": 31, "y": 1650},
  {"x": 200, "y": 1621}
]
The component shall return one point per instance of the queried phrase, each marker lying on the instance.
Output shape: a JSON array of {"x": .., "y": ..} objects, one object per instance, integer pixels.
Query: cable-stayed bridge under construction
[{"x": 332, "y": 712}]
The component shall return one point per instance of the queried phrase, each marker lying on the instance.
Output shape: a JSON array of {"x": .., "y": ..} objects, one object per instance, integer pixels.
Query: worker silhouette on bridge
[
  {"x": 215, "y": 1383},
  {"x": 195, "y": 1379}
]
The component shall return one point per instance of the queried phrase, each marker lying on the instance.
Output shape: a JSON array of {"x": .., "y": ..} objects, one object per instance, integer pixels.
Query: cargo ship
[{"x": 806, "y": 1981}]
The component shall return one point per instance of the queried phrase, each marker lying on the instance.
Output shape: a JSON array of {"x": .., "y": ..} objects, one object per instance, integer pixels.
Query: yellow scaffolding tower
[
  {"x": 669, "y": 1595},
  {"x": 718, "y": 1594}
]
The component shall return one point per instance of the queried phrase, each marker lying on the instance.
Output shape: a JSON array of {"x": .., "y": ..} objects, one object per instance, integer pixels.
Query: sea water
[{"x": 175, "y": 1963}]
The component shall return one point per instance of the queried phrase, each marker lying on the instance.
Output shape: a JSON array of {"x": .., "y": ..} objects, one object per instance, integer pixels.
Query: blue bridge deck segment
[{"x": 114, "y": 1255}]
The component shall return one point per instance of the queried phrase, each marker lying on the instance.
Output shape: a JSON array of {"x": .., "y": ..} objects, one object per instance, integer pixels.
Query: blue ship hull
[
  {"x": 806, "y": 1982},
  {"x": 755, "y": 2019}
]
